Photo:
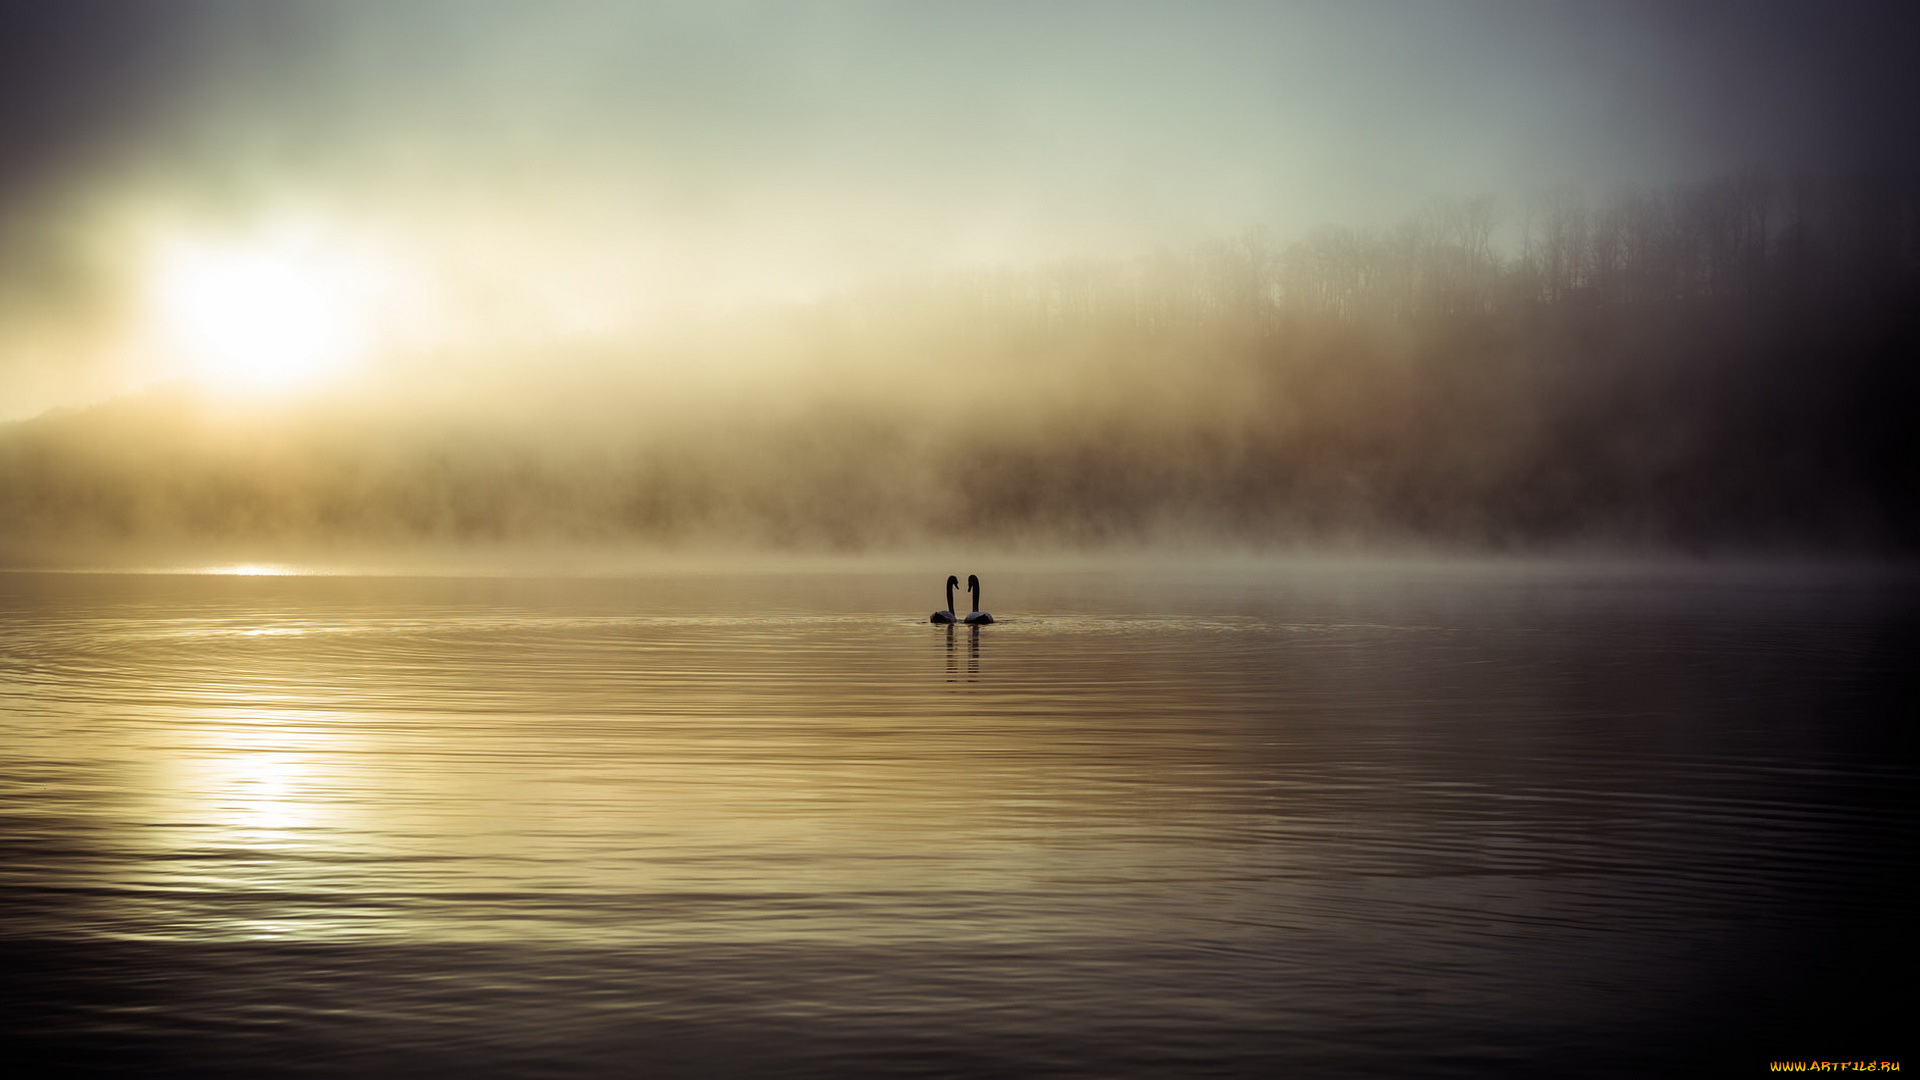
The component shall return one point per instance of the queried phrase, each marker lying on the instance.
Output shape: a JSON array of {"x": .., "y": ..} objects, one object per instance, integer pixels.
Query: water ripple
[{"x": 1223, "y": 837}]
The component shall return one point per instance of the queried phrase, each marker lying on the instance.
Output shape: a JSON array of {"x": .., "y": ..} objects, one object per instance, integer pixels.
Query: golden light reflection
[
  {"x": 252, "y": 782},
  {"x": 259, "y": 794}
]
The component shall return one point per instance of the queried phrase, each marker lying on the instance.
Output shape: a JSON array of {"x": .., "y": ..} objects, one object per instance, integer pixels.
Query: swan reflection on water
[{"x": 973, "y": 656}]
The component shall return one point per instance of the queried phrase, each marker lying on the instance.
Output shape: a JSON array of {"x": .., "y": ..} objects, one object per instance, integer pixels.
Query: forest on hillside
[{"x": 1728, "y": 366}]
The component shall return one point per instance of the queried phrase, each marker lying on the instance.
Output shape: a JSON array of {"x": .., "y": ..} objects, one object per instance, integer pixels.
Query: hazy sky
[{"x": 471, "y": 172}]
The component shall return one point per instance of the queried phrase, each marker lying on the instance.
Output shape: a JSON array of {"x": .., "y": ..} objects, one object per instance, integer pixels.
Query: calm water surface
[{"x": 1348, "y": 819}]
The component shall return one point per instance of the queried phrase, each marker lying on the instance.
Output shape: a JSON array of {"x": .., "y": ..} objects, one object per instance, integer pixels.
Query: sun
[{"x": 266, "y": 314}]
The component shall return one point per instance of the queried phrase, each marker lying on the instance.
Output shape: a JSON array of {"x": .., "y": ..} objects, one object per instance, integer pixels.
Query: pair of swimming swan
[{"x": 977, "y": 617}]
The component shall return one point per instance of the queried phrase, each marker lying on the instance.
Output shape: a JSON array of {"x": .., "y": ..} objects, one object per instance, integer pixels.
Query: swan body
[
  {"x": 947, "y": 615},
  {"x": 977, "y": 617}
]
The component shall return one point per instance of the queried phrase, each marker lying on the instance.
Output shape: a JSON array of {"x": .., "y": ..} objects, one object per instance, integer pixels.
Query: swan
[
  {"x": 947, "y": 615},
  {"x": 978, "y": 617}
]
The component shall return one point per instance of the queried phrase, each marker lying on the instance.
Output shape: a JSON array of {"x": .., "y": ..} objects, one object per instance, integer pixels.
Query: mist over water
[
  {"x": 474, "y": 477},
  {"x": 1473, "y": 276},
  {"x": 1724, "y": 367}
]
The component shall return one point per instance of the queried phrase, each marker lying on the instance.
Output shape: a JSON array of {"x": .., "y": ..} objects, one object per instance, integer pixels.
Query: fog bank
[{"x": 1726, "y": 366}]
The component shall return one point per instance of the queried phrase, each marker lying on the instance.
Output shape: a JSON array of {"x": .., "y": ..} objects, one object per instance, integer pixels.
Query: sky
[{"x": 181, "y": 181}]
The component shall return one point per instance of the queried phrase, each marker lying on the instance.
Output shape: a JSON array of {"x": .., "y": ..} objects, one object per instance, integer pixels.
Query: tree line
[{"x": 1721, "y": 366}]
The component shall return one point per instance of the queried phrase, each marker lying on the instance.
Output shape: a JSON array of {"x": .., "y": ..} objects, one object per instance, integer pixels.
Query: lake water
[{"x": 1326, "y": 818}]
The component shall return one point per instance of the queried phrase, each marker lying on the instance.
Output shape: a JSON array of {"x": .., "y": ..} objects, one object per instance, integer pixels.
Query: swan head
[
  {"x": 973, "y": 583},
  {"x": 954, "y": 582}
]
